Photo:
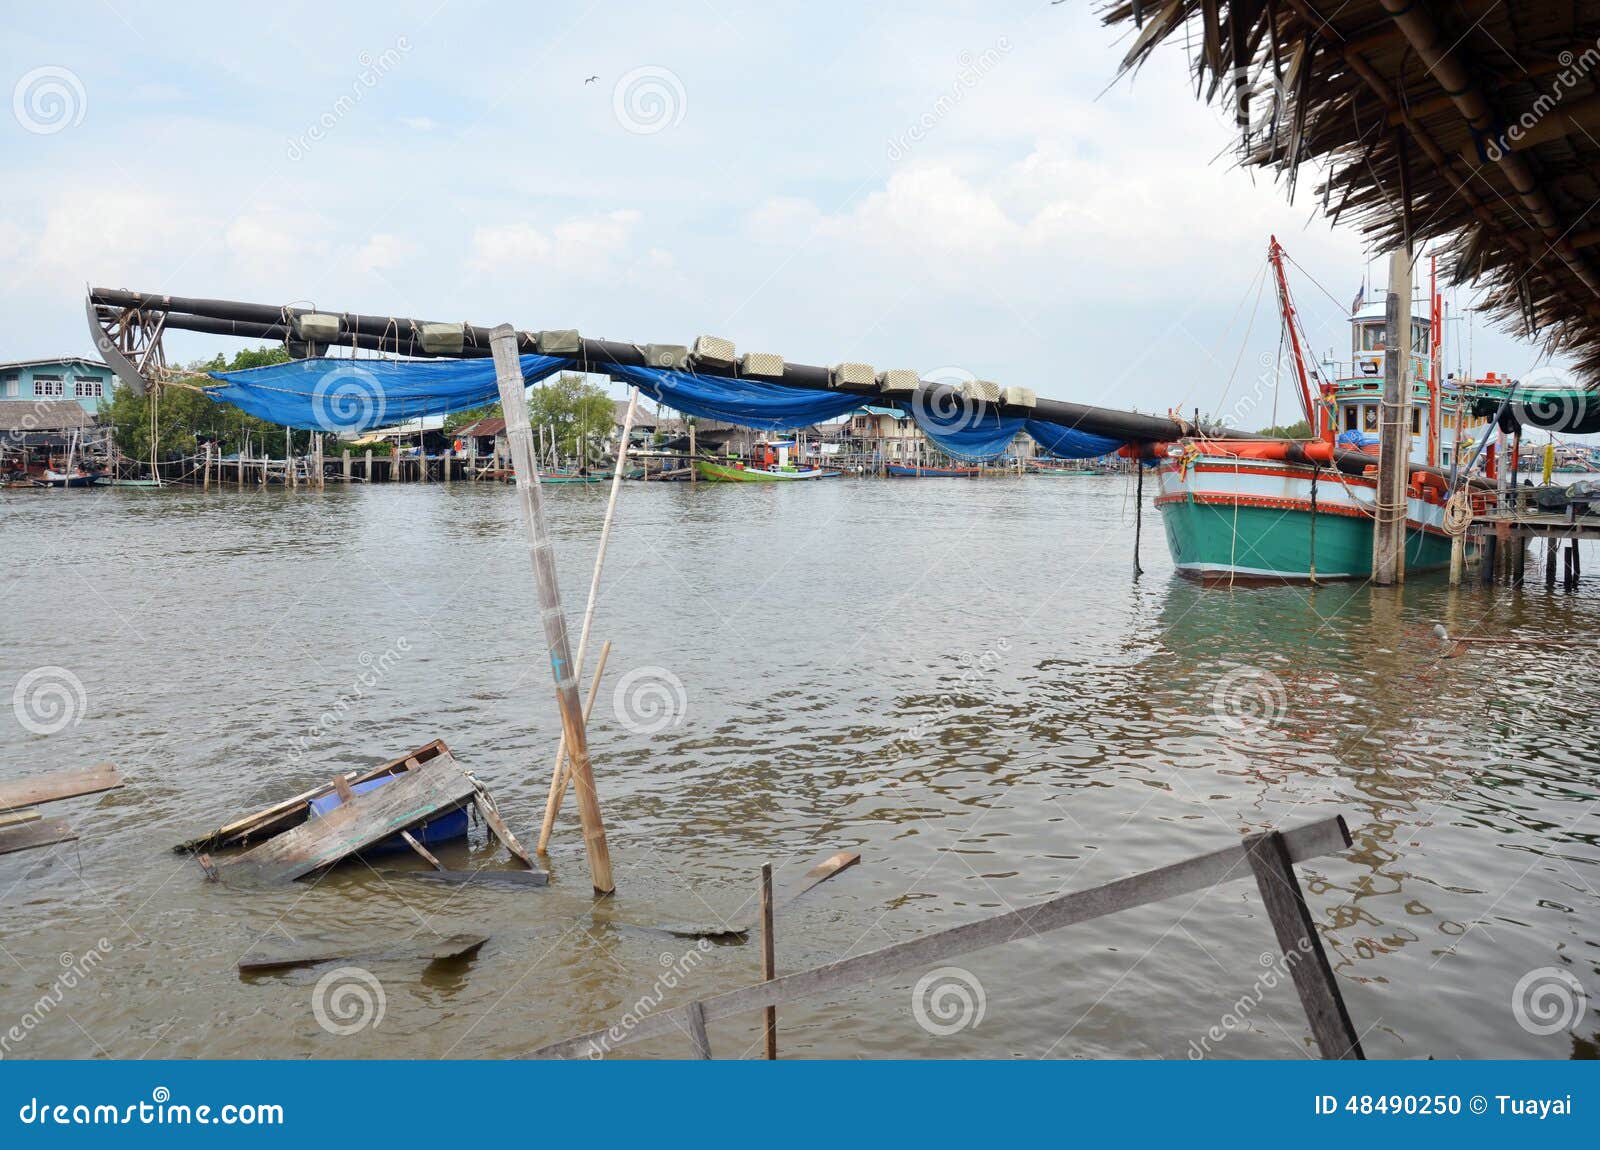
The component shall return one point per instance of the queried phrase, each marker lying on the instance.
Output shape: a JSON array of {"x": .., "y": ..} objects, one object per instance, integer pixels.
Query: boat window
[
  {"x": 1349, "y": 417},
  {"x": 1369, "y": 417},
  {"x": 1419, "y": 338},
  {"x": 1373, "y": 336},
  {"x": 1416, "y": 421}
]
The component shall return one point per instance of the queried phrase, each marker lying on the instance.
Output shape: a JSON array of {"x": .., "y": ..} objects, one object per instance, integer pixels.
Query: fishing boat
[
  {"x": 1254, "y": 510},
  {"x": 915, "y": 471},
  {"x": 78, "y": 477},
  {"x": 770, "y": 463},
  {"x": 743, "y": 473},
  {"x": 569, "y": 477}
]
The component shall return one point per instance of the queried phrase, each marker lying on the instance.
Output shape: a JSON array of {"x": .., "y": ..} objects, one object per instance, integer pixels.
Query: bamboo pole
[
  {"x": 563, "y": 770},
  {"x": 558, "y": 788},
  {"x": 514, "y": 403}
]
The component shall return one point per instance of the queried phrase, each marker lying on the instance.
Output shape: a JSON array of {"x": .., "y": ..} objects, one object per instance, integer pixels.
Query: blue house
[{"x": 86, "y": 380}]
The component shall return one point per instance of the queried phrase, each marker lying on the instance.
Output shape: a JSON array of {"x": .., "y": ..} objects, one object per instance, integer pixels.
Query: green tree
[
  {"x": 574, "y": 410},
  {"x": 1300, "y": 430},
  {"x": 184, "y": 418},
  {"x": 461, "y": 418}
]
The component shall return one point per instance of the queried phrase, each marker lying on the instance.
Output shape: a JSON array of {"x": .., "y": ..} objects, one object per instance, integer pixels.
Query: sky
[{"x": 956, "y": 188}]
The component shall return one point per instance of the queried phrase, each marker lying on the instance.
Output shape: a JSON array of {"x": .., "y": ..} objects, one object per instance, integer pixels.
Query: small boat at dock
[
  {"x": 911, "y": 471},
  {"x": 743, "y": 473}
]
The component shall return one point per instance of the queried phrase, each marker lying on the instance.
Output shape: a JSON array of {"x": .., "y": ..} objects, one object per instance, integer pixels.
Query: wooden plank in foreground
[
  {"x": 1195, "y": 874},
  {"x": 60, "y": 785},
  {"x": 38, "y": 833},
  {"x": 432, "y": 789},
  {"x": 451, "y": 946},
  {"x": 1302, "y": 947}
]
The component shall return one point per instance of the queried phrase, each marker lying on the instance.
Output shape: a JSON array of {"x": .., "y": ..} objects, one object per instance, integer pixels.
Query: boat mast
[
  {"x": 1313, "y": 411},
  {"x": 1435, "y": 420}
]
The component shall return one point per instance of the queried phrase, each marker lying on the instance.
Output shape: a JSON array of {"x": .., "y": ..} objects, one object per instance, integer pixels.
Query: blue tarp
[
  {"x": 747, "y": 402},
  {"x": 349, "y": 396},
  {"x": 1068, "y": 443},
  {"x": 962, "y": 430}
]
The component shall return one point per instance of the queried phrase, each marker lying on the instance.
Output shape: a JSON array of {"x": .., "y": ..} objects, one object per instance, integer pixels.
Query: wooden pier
[{"x": 1503, "y": 536}]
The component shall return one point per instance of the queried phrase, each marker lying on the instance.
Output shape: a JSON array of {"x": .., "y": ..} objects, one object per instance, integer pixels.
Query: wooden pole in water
[
  {"x": 769, "y": 962},
  {"x": 368, "y": 466},
  {"x": 344, "y": 465},
  {"x": 694, "y": 472},
  {"x": 563, "y": 767},
  {"x": 552, "y": 802},
  {"x": 514, "y": 402},
  {"x": 1389, "y": 514}
]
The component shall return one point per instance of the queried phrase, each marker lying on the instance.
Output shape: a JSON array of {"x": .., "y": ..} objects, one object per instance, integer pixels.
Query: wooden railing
[{"x": 1269, "y": 857}]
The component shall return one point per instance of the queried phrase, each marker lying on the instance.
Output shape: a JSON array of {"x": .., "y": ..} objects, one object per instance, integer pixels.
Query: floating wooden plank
[
  {"x": 15, "y": 818},
  {"x": 737, "y": 932},
  {"x": 497, "y": 825},
  {"x": 487, "y": 876},
  {"x": 1186, "y": 877},
  {"x": 826, "y": 869},
  {"x": 291, "y": 812},
  {"x": 38, "y": 833},
  {"x": 61, "y": 785},
  {"x": 415, "y": 796},
  {"x": 452, "y": 946}
]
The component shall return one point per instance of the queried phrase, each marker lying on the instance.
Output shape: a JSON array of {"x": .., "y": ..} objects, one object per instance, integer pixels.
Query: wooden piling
[
  {"x": 1394, "y": 425},
  {"x": 769, "y": 963},
  {"x": 368, "y": 474},
  {"x": 1552, "y": 551},
  {"x": 562, "y": 775},
  {"x": 519, "y": 435},
  {"x": 344, "y": 465}
]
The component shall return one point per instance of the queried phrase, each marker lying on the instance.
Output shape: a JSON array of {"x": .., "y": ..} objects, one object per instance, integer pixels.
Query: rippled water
[{"x": 959, "y": 680}]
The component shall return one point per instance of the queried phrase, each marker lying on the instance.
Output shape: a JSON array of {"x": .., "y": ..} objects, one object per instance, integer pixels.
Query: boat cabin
[{"x": 1358, "y": 385}]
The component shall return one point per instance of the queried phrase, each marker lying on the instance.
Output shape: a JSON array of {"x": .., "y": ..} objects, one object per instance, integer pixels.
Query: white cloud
[{"x": 578, "y": 245}]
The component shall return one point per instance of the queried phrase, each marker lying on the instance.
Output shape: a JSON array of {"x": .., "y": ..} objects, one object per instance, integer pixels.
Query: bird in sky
[{"x": 591, "y": 79}]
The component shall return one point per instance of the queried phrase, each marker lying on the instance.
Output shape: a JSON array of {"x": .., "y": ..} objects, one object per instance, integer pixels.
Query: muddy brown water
[{"x": 959, "y": 680}]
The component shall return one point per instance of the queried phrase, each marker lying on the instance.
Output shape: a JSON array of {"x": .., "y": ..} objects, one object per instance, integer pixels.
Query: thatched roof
[{"x": 1472, "y": 121}]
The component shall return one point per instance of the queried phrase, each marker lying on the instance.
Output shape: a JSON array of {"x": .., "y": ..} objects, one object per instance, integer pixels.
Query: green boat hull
[
  {"x": 1219, "y": 541},
  {"x": 722, "y": 473}
]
